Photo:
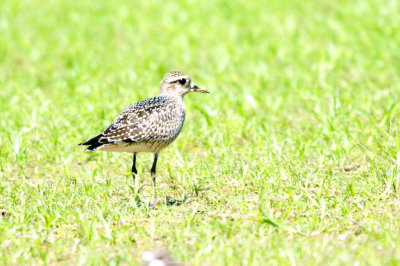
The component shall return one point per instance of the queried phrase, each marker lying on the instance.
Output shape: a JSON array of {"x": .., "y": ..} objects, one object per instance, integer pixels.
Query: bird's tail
[{"x": 93, "y": 142}]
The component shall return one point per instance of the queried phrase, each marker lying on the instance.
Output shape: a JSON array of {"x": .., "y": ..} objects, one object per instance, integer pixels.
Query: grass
[{"x": 294, "y": 157}]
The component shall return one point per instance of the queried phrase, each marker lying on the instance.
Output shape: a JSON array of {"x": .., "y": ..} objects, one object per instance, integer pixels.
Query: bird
[{"x": 149, "y": 125}]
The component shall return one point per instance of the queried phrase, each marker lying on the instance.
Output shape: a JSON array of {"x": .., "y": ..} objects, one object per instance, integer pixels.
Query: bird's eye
[{"x": 182, "y": 81}]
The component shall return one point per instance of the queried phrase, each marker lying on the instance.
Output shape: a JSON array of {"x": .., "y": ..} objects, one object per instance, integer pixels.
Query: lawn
[{"x": 293, "y": 158}]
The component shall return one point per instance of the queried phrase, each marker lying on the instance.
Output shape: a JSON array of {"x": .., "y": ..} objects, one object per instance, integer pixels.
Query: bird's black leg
[
  {"x": 153, "y": 173},
  {"x": 134, "y": 171}
]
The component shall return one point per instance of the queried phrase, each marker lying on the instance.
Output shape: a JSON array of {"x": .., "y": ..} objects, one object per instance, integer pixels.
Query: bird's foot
[
  {"x": 134, "y": 190},
  {"x": 154, "y": 203}
]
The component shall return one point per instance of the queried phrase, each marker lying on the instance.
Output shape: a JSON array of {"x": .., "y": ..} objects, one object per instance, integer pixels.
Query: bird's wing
[{"x": 142, "y": 121}]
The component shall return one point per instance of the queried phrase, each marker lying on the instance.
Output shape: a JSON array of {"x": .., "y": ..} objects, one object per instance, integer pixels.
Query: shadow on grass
[
  {"x": 167, "y": 202},
  {"x": 175, "y": 202}
]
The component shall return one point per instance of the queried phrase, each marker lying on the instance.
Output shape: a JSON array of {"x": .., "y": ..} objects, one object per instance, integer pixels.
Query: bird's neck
[{"x": 176, "y": 97}]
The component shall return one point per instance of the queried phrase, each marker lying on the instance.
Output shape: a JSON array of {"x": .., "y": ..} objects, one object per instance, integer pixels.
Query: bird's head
[{"x": 178, "y": 83}]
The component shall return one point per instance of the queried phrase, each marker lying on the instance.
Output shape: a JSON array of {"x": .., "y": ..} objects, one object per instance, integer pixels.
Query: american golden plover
[{"x": 149, "y": 125}]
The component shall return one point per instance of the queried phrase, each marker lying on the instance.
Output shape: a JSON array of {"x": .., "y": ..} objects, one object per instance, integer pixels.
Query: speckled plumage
[{"x": 149, "y": 125}]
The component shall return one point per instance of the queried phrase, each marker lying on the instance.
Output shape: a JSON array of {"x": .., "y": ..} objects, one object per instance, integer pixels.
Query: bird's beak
[{"x": 194, "y": 88}]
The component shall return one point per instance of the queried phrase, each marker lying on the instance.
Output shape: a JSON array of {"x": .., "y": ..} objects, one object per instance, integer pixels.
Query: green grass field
[{"x": 294, "y": 157}]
